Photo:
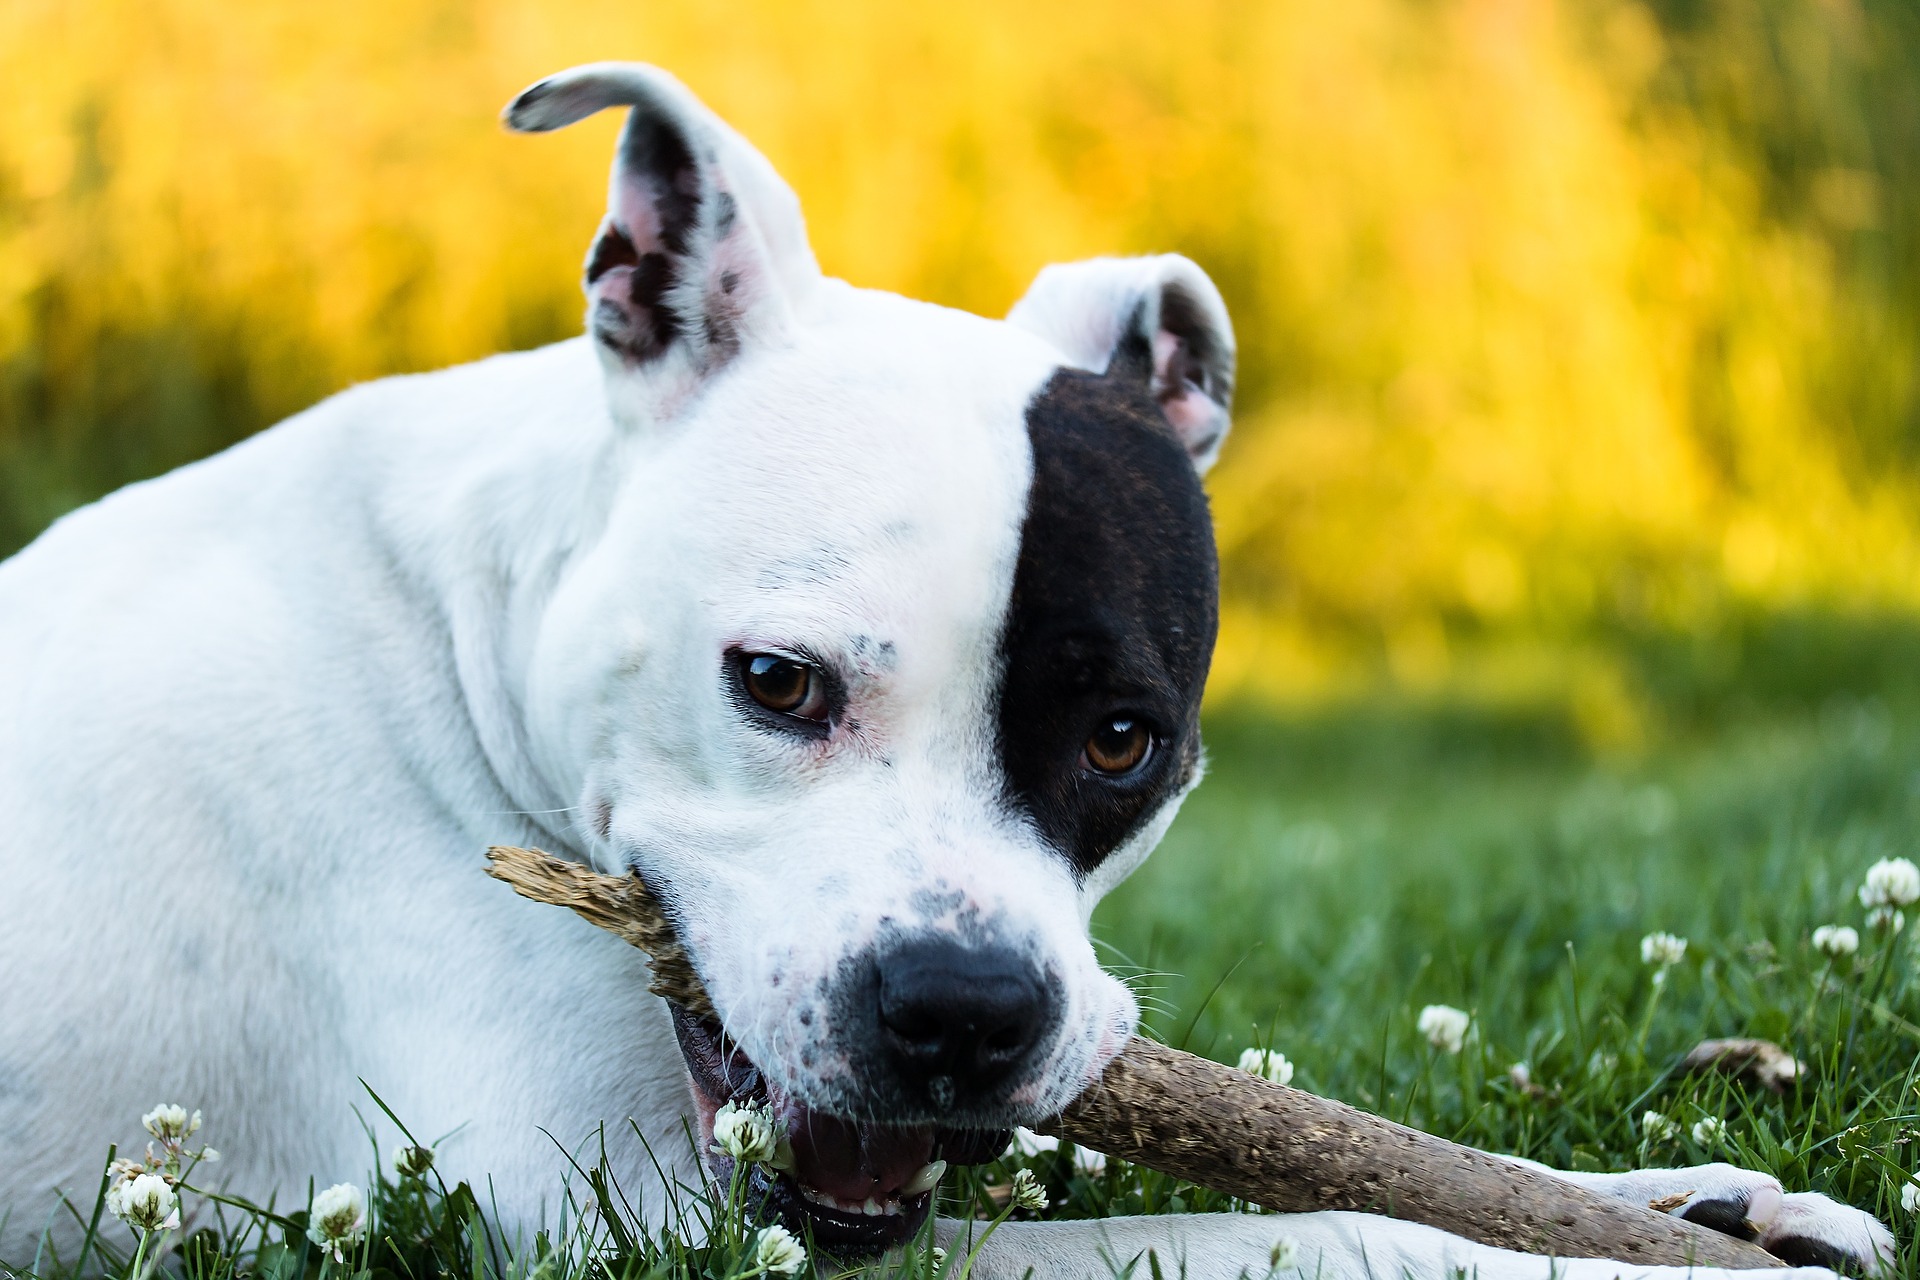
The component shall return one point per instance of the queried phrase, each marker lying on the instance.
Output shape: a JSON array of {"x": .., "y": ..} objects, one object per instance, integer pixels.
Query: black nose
[{"x": 959, "y": 1019}]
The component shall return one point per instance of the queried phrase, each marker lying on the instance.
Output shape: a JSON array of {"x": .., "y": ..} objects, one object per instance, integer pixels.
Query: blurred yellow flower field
[{"x": 1555, "y": 317}]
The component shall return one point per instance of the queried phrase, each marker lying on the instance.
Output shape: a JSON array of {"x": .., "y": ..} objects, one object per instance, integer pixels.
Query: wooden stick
[
  {"x": 621, "y": 905},
  {"x": 1282, "y": 1148}
]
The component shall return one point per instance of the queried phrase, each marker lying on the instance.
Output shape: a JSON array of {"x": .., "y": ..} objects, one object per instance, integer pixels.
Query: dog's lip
[{"x": 847, "y": 1186}]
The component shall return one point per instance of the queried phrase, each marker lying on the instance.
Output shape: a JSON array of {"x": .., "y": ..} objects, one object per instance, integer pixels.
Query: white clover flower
[
  {"x": 1662, "y": 949},
  {"x": 1836, "y": 940},
  {"x": 1444, "y": 1026},
  {"x": 1265, "y": 1062},
  {"x": 776, "y": 1252},
  {"x": 1284, "y": 1255},
  {"x": 170, "y": 1123},
  {"x": 939, "y": 1257},
  {"x": 746, "y": 1133},
  {"x": 1910, "y": 1195},
  {"x": 338, "y": 1219},
  {"x": 412, "y": 1162},
  {"x": 1655, "y": 1127},
  {"x": 1027, "y": 1193},
  {"x": 1710, "y": 1132},
  {"x": 146, "y": 1202},
  {"x": 1888, "y": 919},
  {"x": 117, "y": 1192},
  {"x": 1890, "y": 882}
]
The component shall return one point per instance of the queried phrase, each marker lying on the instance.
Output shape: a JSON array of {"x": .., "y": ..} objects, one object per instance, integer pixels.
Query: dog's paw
[
  {"x": 1812, "y": 1230},
  {"x": 1805, "y": 1229}
]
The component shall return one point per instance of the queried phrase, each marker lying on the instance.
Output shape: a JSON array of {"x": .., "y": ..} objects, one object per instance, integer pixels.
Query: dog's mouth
[{"x": 856, "y": 1187}]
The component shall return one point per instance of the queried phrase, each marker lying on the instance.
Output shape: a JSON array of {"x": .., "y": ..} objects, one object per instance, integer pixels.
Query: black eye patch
[{"x": 1112, "y": 617}]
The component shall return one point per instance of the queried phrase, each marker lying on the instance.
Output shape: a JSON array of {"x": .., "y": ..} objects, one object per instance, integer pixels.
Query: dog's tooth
[
  {"x": 925, "y": 1179},
  {"x": 872, "y": 1208}
]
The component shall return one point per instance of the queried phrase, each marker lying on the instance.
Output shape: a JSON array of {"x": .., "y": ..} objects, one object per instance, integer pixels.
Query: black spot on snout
[{"x": 1113, "y": 612}]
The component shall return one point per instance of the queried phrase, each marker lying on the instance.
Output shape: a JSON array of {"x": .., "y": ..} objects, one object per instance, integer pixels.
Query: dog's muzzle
[{"x": 944, "y": 1034}]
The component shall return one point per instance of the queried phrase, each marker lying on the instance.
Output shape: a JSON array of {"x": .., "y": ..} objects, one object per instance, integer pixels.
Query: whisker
[{"x": 519, "y": 813}]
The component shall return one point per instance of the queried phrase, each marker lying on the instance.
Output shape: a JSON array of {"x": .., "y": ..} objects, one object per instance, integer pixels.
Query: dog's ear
[
  {"x": 1157, "y": 319},
  {"x": 703, "y": 249}
]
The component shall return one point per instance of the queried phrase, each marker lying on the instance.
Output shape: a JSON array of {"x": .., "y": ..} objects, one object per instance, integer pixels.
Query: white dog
[{"x": 872, "y": 634}]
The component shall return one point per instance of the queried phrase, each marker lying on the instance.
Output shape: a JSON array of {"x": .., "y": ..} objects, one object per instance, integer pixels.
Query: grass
[{"x": 1337, "y": 872}]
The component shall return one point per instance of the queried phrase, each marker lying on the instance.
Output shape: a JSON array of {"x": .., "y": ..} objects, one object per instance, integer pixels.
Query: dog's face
[{"x": 889, "y": 661}]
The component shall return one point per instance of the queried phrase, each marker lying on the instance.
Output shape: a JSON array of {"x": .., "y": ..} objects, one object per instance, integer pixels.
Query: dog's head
[{"x": 888, "y": 662}]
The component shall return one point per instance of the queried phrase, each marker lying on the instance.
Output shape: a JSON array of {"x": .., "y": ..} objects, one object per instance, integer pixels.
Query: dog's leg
[
  {"x": 1324, "y": 1246},
  {"x": 1804, "y": 1228}
]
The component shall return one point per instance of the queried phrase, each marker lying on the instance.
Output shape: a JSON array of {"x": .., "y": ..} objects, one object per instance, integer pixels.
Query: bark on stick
[{"x": 1195, "y": 1119}]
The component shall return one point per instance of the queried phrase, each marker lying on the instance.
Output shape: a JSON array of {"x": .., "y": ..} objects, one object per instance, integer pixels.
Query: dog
[{"x": 871, "y": 634}]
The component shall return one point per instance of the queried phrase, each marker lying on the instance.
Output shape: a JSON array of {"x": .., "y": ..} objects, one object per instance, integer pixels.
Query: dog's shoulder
[{"x": 236, "y": 579}]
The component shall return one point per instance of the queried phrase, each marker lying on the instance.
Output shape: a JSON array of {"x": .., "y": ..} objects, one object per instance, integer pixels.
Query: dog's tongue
[{"x": 854, "y": 1162}]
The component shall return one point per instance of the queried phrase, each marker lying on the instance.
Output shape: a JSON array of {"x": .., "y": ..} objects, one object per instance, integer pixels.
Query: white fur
[{"x": 267, "y": 712}]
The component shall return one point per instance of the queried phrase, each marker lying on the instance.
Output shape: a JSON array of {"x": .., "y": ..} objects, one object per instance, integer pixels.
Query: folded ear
[
  {"x": 1156, "y": 319},
  {"x": 703, "y": 249}
]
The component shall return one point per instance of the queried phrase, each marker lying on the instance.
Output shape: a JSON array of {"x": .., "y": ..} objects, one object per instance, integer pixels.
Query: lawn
[
  {"x": 1342, "y": 868},
  {"x": 1327, "y": 882}
]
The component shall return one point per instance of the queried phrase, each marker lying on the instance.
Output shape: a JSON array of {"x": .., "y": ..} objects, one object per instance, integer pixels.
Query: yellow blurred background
[{"x": 1561, "y": 320}]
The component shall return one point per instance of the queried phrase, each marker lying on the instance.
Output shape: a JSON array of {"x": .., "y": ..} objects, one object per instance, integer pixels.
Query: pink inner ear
[
  {"x": 635, "y": 215},
  {"x": 1166, "y": 346},
  {"x": 1195, "y": 418},
  {"x": 1194, "y": 415}
]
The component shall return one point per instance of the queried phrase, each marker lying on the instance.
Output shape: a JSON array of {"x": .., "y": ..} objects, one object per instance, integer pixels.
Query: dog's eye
[
  {"x": 783, "y": 685},
  {"x": 1117, "y": 747}
]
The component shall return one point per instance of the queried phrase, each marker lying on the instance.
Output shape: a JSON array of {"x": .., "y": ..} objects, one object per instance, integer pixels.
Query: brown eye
[
  {"x": 1119, "y": 746},
  {"x": 783, "y": 685}
]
